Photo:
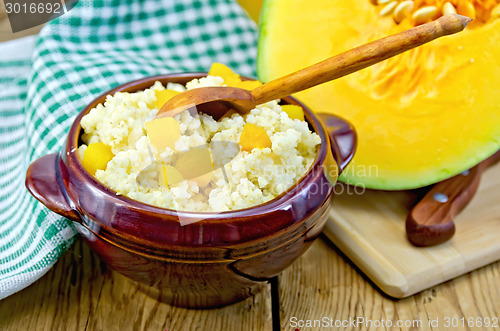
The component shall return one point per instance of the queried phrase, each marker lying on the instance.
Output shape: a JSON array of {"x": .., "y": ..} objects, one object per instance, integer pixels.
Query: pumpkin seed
[
  {"x": 495, "y": 13},
  {"x": 422, "y": 11},
  {"x": 424, "y": 14},
  {"x": 448, "y": 8},
  {"x": 388, "y": 8},
  {"x": 467, "y": 9},
  {"x": 402, "y": 10}
]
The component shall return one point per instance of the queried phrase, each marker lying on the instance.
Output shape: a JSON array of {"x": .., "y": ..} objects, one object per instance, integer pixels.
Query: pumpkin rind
[{"x": 421, "y": 117}]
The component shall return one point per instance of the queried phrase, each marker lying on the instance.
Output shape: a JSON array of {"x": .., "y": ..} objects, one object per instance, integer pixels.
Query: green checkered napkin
[{"x": 92, "y": 48}]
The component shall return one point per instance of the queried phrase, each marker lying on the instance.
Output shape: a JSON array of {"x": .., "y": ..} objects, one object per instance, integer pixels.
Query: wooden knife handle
[{"x": 430, "y": 222}]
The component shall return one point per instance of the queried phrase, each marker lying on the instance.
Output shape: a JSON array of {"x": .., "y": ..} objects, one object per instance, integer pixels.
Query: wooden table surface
[{"x": 80, "y": 293}]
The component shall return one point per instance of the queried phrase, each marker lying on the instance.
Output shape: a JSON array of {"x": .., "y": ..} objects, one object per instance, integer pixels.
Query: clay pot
[{"x": 221, "y": 259}]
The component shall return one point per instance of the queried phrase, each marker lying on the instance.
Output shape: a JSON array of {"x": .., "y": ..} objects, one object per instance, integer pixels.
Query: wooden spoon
[
  {"x": 430, "y": 222},
  {"x": 216, "y": 101}
]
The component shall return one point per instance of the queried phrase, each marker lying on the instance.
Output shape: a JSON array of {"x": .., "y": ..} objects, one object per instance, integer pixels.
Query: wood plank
[
  {"x": 80, "y": 293},
  {"x": 322, "y": 283},
  {"x": 370, "y": 229}
]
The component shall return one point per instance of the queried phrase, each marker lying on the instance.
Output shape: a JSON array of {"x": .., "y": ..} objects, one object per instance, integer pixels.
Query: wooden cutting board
[{"x": 370, "y": 229}]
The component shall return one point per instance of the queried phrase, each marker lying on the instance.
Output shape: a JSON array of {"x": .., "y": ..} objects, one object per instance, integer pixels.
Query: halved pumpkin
[{"x": 421, "y": 116}]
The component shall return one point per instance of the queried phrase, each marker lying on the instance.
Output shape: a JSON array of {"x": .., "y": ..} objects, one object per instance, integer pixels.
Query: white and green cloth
[{"x": 92, "y": 48}]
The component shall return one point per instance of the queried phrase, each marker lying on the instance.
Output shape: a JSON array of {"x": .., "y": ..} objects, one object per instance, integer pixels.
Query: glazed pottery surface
[{"x": 218, "y": 258}]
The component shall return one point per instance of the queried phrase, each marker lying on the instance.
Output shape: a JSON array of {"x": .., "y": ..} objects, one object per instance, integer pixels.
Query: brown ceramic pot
[{"x": 225, "y": 257}]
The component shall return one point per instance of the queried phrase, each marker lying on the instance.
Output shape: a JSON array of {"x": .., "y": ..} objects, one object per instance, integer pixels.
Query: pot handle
[
  {"x": 343, "y": 138},
  {"x": 44, "y": 180}
]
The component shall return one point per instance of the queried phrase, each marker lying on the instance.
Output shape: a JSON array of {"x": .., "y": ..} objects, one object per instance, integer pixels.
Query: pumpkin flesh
[{"x": 421, "y": 117}]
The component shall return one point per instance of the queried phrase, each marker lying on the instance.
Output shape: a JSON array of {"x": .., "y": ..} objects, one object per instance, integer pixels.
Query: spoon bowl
[{"x": 215, "y": 101}]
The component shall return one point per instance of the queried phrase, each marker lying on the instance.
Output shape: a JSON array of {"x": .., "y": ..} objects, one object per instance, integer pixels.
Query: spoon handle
[
  {"x": 430, "y": 222},
  {"x": 358, "y": 58}
]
